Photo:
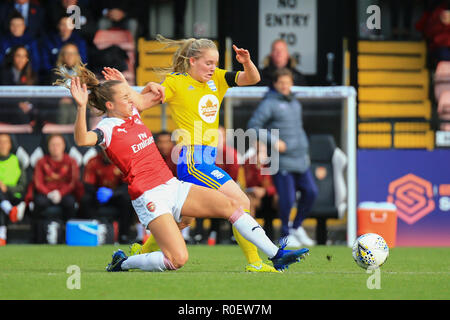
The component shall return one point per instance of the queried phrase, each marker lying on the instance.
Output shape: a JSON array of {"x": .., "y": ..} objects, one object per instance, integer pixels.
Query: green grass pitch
[{"x": 40, "y": 272}]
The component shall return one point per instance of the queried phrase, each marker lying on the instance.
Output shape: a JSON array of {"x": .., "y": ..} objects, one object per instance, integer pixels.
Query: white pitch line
[{"x": 385, "y": 272}]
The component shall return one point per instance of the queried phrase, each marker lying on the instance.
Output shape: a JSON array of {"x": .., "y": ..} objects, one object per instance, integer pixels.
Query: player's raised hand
[
  {"x": 242, "y": 55},
  {"x": 113, "y": 74},
  {"x": 79, "y": 92}
]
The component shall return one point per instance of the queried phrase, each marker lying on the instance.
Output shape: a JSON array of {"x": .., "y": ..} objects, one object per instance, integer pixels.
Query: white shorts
[{"x": 165, "y": 198}]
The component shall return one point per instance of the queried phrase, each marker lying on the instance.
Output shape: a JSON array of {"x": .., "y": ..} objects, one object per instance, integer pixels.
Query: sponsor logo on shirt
[
  {"x": 145, "y": 142},
  {"x": 208, "y": 108}
]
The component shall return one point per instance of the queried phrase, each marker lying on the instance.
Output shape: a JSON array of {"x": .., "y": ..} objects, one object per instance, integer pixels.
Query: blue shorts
[{"x": 197, "y": 165}]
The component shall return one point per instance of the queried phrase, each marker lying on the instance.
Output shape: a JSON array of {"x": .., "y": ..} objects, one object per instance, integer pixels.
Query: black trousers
[{"x": 67, "y": 204}]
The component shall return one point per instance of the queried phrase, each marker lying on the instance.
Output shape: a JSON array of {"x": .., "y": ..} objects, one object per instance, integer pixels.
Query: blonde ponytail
[{"x": 187, "y": 48}]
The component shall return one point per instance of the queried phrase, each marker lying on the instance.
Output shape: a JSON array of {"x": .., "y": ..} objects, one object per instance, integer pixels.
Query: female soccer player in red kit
[{"x": 159, "y": 199}]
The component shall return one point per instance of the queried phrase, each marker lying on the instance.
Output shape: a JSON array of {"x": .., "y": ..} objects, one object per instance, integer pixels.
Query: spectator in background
[
  {"x": 435, "y": 27},
  {"x": 55, "y": 180},
  {"x": 32, "y": 13},
  {"x": 166, "y": 147},
  {"x": 17, "y": 36},
  {"x": 52, "y": 44},
  {"x": 118, "y": 14},
  {"x": 260, "y": 189},
  {"x": 17, "y": 70},
  {"x": 58, "y": 8},
  {"x": 279, "y": 109},
  {"x": 68, "y": 59},
  {"x": 279, "y": 58},
  {"x": 12, "y": 186},
  {"x": 104, "y": 186}
]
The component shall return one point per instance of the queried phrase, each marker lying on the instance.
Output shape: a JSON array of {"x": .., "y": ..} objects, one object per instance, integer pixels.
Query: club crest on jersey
[
  {"x": 212, "y": 85},
  {"x": 208, "y": 108},
  {"x": 151, "y": 207}
]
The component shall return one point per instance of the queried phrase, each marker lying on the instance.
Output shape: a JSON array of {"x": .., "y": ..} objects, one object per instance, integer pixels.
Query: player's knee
[
  {"x": 242, "y": 200},
  {"x": 179, "y": 259},
  {"x": 231, "y": 207},
  {"x": 245, "y": 202}
]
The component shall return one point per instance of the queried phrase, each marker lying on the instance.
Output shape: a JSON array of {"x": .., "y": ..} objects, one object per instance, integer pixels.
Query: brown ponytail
[{"x": 99, "y": 94}]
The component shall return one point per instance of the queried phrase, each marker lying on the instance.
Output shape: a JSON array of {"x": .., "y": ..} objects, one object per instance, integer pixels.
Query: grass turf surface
[{"x": 39, "y": 272}]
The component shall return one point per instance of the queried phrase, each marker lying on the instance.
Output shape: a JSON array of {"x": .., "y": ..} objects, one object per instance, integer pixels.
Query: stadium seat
[
  {"x": 51, "y": 128},
  {"x": 376, "y": 62},
  {"x": 15, "y": 128},
  {"x": 123, "y": 39},
  {"x": 393, "y": 47},
  {"x": 152, "y": 54},
  {"x": 327, "y": 165},
  {"x": 411, "y": 126},
  {"x": 392, "y": 94},
  {"x": 391, "y": 77},
  {"x": 420, "y": 109},
  {"x": 374, "y": 140},
  {"x": 417, "y": 140},
  {"x": 105, "y": 38},
  {"x": 374, "y": 127},
  {"x": 393, "y": 85}
]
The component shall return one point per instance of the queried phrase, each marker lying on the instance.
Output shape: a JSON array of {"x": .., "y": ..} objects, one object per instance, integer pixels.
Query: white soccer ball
[{"x": 370, "y": 251}]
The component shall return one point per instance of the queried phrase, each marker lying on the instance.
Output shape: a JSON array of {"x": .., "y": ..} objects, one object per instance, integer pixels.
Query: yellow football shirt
[{"x": 195, "y": 106}]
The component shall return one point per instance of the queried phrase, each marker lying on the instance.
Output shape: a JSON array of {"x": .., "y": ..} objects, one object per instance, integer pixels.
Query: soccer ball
[{"x": 370, "y": 251}]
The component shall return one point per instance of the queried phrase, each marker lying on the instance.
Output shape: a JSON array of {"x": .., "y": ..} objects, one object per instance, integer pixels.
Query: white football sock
[
  {"x": 253, "y": 232},
  {"x": 153, "y": 261},
  {"x": 6, "y": 206},
  {"x": 3, "y": 232}
]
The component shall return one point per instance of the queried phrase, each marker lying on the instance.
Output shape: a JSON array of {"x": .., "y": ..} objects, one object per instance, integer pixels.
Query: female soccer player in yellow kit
[{"x": 194, "y": 90}]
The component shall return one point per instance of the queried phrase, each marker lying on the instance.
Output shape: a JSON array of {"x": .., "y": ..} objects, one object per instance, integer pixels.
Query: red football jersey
[{"x": 130, "y": 146}]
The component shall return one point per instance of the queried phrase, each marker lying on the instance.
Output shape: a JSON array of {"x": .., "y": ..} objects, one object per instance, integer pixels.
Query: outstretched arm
[
  {"x": 82, "y": 136},
  {"x": 250, "y": 75},
  {"x": 149, "y": 97}
]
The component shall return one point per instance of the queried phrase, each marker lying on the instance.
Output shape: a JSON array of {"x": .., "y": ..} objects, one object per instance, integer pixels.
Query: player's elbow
[
  {"x": 81, "y": 141},
  {"x": 257, "y": 78},
  {"x": 252, "y": 79}
]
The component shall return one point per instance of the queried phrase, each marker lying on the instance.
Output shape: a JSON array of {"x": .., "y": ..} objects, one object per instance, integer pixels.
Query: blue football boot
[
  {"x": 284, "y": 258},
  {"x": 118, "y": 258}
]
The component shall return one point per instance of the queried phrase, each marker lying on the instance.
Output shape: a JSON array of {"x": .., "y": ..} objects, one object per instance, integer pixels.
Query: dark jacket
[
  {"x": 35, "y": 20},
  {"x": 284, "y": 113},
  {"x": 51, "y": 45},
  {"x": 268, "y": 71},
  {"x": 9, "y": 41}
]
